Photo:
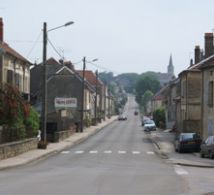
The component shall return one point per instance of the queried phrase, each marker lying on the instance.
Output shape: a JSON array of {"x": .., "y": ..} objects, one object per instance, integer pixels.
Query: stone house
[
  {"x": 194, "y": 110},
  {"x": 63, "y": 83},
  {"x": 170, "y": 93},
  {"x": 189, "y": 107},
  {"x": 14, "y": 68},
  {"x": 97, "y": 83},
  {"x": 207, "y": 68}
]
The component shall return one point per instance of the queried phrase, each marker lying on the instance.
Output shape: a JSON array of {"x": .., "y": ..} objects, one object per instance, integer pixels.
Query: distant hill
[{"x": 127, "y": 81}]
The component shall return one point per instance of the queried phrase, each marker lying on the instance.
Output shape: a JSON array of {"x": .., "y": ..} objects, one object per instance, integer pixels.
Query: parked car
[
  {"x": 122, "y": 117},
  {"x": 207, "y": 148},
  {"x": 149, "y": 125},
  {"x": 145, "y": 120},
  {"x": 188, "y": 142}
]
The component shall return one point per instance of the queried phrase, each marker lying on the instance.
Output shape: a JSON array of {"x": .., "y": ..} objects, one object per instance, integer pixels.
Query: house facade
[
  {"x": 189, "y": 107},
  {"x": 14, "y": 68},
  {"x": 64, "y": 84}
]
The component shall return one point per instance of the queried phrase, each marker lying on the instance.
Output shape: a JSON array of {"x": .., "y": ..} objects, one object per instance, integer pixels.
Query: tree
[
  {"x": 145, "y": 98},
  {"x": 146, "y": 82},
  {"x": 159, "y": 117}
]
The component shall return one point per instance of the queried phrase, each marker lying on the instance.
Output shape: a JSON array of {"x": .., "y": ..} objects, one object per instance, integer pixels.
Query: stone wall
[
  {"x": 61, "y": 135},
  {"x": 12, "y": 149}
]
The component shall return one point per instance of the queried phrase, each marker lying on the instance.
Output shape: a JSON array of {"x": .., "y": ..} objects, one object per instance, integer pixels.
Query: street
[{"x": 117, "y": 160}]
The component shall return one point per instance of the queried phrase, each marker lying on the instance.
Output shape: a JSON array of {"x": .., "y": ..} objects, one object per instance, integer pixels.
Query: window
[
  {"x": 17, "y": 80},
  {"x": 210, "y": 94},
  {"x": 10, "y": 76}
]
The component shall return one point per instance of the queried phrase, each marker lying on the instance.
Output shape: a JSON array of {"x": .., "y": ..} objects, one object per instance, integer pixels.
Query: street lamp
[
  {"x": 95, "y": 113},
  {"x": 44, "y": 92},
  {"x": 83, "y": 88}
]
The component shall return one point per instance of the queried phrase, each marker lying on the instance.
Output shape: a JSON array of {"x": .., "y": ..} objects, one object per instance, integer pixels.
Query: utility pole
[
  {"x": 95, "y": 110},
  {"x": 83, "y": 89},
  {"x": 44, "y": 94}
]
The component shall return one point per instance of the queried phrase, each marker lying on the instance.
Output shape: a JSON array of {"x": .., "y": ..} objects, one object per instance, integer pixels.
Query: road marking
[
  {"x": 93, "y": 152},
  {"x": 180, "y": 171},
  {"x": 65, "y": 152},
  {"x": 121, "y": 152},
  {"x": 107, "y": 151},
  {"x": 135, "y": 152},
  {"x": 150, "y": 152},
  {"x": 79, "y": 152}
]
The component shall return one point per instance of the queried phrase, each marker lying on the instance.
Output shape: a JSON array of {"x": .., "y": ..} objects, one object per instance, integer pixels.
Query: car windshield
[
  {"x": 187, "y": 136},
  {"x": 149, "y": 122}
]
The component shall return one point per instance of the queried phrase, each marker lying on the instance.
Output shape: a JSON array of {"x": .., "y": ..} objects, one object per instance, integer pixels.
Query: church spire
[{"x": 170, "y": 68}]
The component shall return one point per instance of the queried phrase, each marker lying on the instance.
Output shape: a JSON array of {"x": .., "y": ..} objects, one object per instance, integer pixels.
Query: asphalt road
[{"x": 118, "y": 160}]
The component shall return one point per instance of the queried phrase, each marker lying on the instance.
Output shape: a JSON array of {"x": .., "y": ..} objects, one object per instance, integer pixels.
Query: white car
[
  {"x": 149, "y": 125},
  {"x": 122, "y": 117}
]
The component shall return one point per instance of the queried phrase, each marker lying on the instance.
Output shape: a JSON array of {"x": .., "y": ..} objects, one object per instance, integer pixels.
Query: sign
[{"x": 65, "y": 102}]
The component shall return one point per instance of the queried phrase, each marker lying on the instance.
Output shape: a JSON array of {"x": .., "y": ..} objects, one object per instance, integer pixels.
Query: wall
[
  {"x": 208, "y": 112},
  {"x": 15, "y": 148}
]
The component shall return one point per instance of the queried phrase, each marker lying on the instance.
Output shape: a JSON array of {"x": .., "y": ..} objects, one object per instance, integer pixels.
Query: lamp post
[
  {"x": 44, "y": 89},
  {"x": 95, "y": 110},
  {"x": 83, "y": 89}
]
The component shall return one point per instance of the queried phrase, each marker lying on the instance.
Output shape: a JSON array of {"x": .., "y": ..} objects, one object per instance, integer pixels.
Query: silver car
[
  {"x": 149, "y": 126},
  {"x": 207, "y": 147}
]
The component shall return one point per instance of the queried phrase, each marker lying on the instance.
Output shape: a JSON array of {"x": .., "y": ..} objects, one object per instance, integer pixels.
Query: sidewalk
[
  {"x": 53, "y": 148},
  {"x": 164, "y": 147}
]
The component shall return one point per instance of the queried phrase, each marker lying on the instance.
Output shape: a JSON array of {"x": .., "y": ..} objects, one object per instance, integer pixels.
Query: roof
[
  {"x": 201, "y": 63},
  {"x": 7, "y": 49},
  {"x": 91, "y": 77}
]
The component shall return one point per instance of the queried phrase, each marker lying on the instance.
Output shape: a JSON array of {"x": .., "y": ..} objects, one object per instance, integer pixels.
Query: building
[
  {"x": 14, "y": 68},
  {"x": 93, "y": 79},
  {"x": 164, "y": 78},
  {"x": 64, "y": 97}
]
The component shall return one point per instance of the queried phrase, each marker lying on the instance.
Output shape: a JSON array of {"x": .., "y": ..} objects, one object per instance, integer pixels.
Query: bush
[
  {"x": 159, "y": 117},
  {"x": 32, "y": 123},
  {"x": 16, "y": 115}
]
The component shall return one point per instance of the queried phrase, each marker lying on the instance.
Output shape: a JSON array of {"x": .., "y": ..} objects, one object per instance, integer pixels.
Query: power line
[
  {"x": 35, "y": 42},
  {"x": 54, "y": 48}
]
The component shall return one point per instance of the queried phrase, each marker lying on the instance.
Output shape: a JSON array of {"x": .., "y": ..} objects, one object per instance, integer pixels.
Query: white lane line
[
  {"x": 107, "y": 151},
  {"x": 179, "y": 170},
  {"x": 135, "y": 152},
  {"x": 121, "y": 152},
  {"x": 79, "y": 152},
  {"x": 150, "y": 152},
  {"x": 93, "y": 152},
  {"x": 65, "y": 152}
]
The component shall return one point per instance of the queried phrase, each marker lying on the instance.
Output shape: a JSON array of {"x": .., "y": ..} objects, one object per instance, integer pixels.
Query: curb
[
  {"x": 163, "y": 155},
  {"x": 57, "y": 150}
]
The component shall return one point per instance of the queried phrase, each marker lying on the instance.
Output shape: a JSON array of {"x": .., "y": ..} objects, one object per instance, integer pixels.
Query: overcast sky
[{"x": 125, "y": 35}]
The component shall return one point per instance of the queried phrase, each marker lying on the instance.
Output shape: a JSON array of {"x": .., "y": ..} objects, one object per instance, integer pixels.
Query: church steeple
[{"x": 170, "y": 68}]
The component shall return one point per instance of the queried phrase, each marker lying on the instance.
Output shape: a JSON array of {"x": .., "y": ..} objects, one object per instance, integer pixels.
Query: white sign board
[{"x": 65, "y": 102}]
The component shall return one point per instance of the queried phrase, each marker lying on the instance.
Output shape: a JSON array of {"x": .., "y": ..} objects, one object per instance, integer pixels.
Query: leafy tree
[
  {"x": 128, "y": 81},
  {"x": 159, "y": 117},
  {"x": 106, "y": 77},
  {"x": 146, "y": 82},
  {"x": 145, "y": 98}
]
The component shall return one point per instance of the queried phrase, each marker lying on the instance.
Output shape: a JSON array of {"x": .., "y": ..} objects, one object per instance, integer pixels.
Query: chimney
[
  {"x": 69, "y": 64},
  {"x": 191, "y": 62},
  {"x": 1, "y": 30},
  {"x": 197, "y": 54},
  {"x": 208, "y": 44}
]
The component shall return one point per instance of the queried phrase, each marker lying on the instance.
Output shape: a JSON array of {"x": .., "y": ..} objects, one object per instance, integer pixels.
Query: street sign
[{"x": 65, "y": 102}]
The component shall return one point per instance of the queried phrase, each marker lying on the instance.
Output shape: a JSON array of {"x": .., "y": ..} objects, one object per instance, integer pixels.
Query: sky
[{"x": 126, "y": 36}]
